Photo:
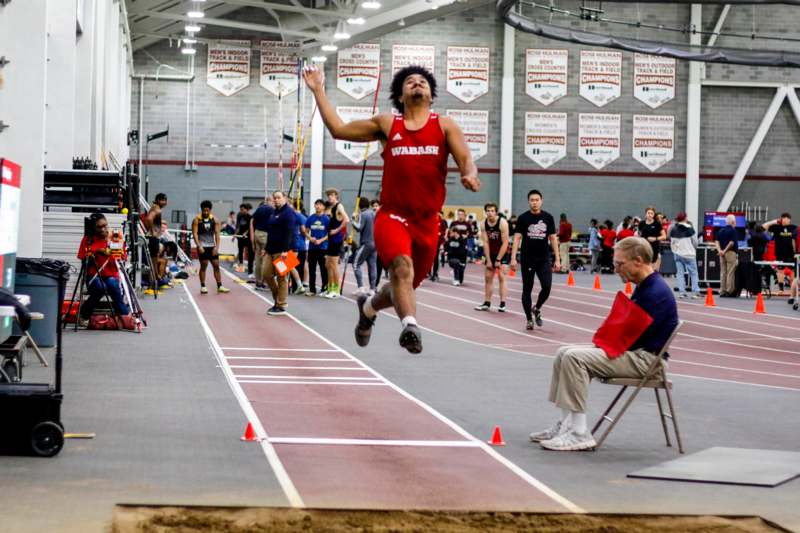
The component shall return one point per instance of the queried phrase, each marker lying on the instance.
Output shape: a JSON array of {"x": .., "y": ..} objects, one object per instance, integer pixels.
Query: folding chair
[{"x": 655, "y": 378}]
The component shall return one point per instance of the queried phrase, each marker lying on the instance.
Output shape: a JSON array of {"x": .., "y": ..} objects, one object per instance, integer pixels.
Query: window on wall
[{"x": 178, "y": 217}]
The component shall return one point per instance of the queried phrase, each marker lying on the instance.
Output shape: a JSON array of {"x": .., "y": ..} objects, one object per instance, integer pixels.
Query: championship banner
[
  {"x": 358, "y": 69},
  {"x": 601, "y": 76},
  {"x": 653, "y": 140},
  {"x": 228, "y": 66},
  {"x": 404, "y": 55},
  {"x": 598, "y": 138},
  {"x": 467, "y": 72},
  {"x": 279, "y": 67},
  {"x": 475, "y": 125},
  {"x": 653, "y": 79},
  {"x": 546, "y": 74},
  {"x": 545, "y": 137},
  {"x": 354, "y": 151}
]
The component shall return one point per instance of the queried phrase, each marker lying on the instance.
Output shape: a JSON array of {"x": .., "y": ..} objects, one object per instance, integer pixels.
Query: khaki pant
[
  {"x": 278, "y": 285},
  {"x": 727, "y": 279},
  {"x": 563, "y": 252},
  {"x": 260, "y": 244},
  {"x": 575, "y": 366}
]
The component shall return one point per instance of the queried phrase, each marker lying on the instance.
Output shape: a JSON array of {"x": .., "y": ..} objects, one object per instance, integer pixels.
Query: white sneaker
[
  {"x": 359, "y": 291},
  {"x": 570, "y": 441},
  {"x": 683, "y": 295},
  {"x": 251, "y": 276},
  {"x": 371, "y": 293},
  {"x": 550, "y": 433},
  {"x": 455, "y": 283}
]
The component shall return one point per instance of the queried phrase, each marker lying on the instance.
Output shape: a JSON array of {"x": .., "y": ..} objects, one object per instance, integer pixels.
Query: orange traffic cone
[
  {"x": 497, "y": 437},
  {"x": 759, "y": 310},
  {"x": 628, "y": 288},
  {"x": 710, "y": 298},
  {"x": 249, "y": 434},
  {"x": 597, "y": 285},
  {"x": 570, "y": 279}
]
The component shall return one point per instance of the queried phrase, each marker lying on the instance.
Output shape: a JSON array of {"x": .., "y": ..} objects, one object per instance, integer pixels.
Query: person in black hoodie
[
  {"x": 457, "y": 255},
  {"x": 280, "y": 239}
]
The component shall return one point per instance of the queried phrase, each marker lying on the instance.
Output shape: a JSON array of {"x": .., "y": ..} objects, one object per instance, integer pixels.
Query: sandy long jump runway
[{"x": 341, "y": 434}]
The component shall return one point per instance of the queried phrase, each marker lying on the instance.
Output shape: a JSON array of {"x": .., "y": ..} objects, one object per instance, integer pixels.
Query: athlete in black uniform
[
  {"x": 205, "y": 231},
  {"x": 496, "y": 257}
]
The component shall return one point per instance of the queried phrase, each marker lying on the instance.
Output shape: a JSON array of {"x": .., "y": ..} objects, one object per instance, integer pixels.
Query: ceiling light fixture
[
  {"x": 329, "y": 47},
  {"x": 195, "y": 14},
  {"x": 192, "y": 28},
  {"x": 371, "y": 4},
  {"x": 356, "y": 21},
  {"x": 319, "y": 59},
  {"x": 340, "y": 33},
  {"x": 189, "y": 40},
  {"x": 188, "y": 50}
]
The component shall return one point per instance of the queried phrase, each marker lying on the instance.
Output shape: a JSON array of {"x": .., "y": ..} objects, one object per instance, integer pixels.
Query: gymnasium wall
[{"x": 729, "y": 118}]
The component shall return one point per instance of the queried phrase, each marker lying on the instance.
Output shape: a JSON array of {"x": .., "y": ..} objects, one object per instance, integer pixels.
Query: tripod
[{"x": 151, "y": 267}]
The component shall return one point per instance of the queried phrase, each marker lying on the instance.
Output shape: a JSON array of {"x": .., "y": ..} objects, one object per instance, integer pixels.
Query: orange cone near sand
[
  {"x": 628, "y": 289},
  {"x": 497, "y": 437},
  {"x": 570, "y": 279},
  {"x": 249, "y": 434},
  {"x": 710, "y": 298},
  {"x": 597, "y": 285},
  {"x": 759, "y": 310}
]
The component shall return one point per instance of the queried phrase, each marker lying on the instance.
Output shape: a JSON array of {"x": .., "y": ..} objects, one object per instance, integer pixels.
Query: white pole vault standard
[
  {"x": 266, "y": 156},
  {"x": 693, "y": 109},
  {"x": 507, "y": 122},
  {"x": 752, "y": 150}
]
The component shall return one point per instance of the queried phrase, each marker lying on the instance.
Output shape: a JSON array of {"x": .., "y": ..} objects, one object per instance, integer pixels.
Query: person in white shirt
[{"x": 683, "y": 242}]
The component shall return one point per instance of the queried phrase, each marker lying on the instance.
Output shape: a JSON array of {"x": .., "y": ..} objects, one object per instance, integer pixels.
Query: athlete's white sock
[
  {"x": 369, "y": 311},
  {"x": 566, "y": 417},
  {"x": 408, "y": 320},
  {"x": 578, "y": 422}
]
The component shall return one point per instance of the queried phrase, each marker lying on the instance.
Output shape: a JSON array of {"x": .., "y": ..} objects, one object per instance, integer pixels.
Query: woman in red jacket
[{"x": 609, "y": 237}]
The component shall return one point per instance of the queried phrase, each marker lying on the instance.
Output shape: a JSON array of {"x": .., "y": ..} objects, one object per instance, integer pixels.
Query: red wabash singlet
[{"x": 414, "y": 169}]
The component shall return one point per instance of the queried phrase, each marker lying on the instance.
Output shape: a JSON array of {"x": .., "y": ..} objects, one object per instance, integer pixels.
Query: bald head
[{"x": 730, "y": 220}]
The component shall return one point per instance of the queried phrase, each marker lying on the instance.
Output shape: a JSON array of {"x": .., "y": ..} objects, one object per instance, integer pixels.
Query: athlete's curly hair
[{"x": 398, "y": 79}]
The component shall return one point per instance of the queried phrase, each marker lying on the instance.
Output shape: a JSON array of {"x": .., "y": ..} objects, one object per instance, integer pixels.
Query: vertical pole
[
  {"x": 507, "y": 121},
  {"x": 693, "y": 108},
  {"x": 317, "y": 145}
]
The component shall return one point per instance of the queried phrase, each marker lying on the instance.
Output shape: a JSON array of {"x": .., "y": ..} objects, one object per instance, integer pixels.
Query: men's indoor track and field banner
[
  {"x": 598, "y": 138},
  {"x": 467, "y": 72},
  {"x": 279, "y": 67},
  {"x": 354, "y": 151},
  {"x": 653, "y": 79},
  {"x": 228, "y": 66},
  {"x": 475, "y": 125},
  {"x": 358, "y": 69},
  {"x": 404, "y": 55},
  {"x": 546, "y": 74},
  {"x": 653, "y": 140},
  {"x": 601, "y": 76},
  {"x": 545, "y": 137}
]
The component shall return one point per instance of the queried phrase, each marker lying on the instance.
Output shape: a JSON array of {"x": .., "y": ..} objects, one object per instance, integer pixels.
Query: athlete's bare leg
[
  {"x": 488, "y": 284},
  {"x": 399, "y": 292},
  {"x": 501, "y": 280}
]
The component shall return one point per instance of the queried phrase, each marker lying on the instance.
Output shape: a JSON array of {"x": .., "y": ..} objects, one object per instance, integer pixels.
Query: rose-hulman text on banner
[
  {"x": 545, "y": 137},
  {"x": 467, "y": 72},
  {"x": 653, "y": 140},
  {"x": 354, "y": 151},
  {"x": 601, "y": 76},
  {"x": 404, "y": 55},
  {"x": 228, "y": 68},
  {"x": 598, "y": 138},
  {"x": 358, "y": 69},
  {"x": 546, "y": 74},
  {"x": 475, "y": 125},
  {"x": 279, "y": 67}
]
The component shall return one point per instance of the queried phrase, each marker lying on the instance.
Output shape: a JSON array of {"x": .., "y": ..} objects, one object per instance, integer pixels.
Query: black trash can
[{"x": 38, "y": 278}]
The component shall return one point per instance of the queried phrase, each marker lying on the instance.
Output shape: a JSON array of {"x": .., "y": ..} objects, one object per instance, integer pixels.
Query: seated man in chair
[{"x": 575, "y": 366}]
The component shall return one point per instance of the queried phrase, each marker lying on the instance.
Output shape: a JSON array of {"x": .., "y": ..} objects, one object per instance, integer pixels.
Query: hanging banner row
[
  {"x": 653, "y": 139},
  {"x": 357, "y": 70},
  {"x": 600, "y": 76}
]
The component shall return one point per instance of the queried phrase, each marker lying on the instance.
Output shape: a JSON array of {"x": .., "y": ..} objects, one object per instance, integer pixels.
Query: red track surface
[
  {"x": 304, "y": 390},
  {"x": 715, "y": 343}
]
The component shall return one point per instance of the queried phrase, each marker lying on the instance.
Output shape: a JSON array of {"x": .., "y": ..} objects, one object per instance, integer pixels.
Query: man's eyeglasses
[{"x": 619, "y": 264}]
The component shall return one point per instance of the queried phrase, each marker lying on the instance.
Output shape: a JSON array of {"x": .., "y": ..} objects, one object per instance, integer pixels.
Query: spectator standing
[
  {"x": 317, "y": 225},
  {"x": 784, "y": 233},
  {"x": 280, "y": 239},
  {"x": 651, "y": 230},
  {"x": 683, "y": 243},
  {"x": 206, "y": 231},
  {"x": 625, "y": 232},
  {"x": 258, "y": 236},
  {"x": 299, "y": 247},
  {"x": 230, "y": 225},
  {"x": 439, "y": 249},
  {"x": 496, "y": 255},
  {"x": 758, "y": 242},
  {"x": 243, "y": 242},
  {"x": 457, "y": 255},
  {"x": 337, "y": 230},
  {"x": 595, "y": 245},
  {"x": 564, "y": 242},
  {"x": 727, "y": 246},
  {"x": 609, "y": 237},
  {"x": 364, "y": 223},
  {"x": 472, "y": 237}
]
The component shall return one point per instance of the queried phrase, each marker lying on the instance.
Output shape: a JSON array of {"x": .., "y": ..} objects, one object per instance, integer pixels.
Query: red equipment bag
[{"x": 624, "y": 324}]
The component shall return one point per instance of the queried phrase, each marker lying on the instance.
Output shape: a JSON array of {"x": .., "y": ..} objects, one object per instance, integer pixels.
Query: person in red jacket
[
  {"x": 609, "y": 237},
  {"x": 102, "y": 272}
]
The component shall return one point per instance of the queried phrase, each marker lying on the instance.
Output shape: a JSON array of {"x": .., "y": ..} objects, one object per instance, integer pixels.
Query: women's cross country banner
[
  {"x": 279, "y": 67},
  {"x": 404, "y": 55},
  {"x": 358, "y": 69},
  {"x": 467, "y": 72},
  {"x": 598, "y": 138},
  {"x": 546, "y": 74},
  {"x": 228, "y": 66},
  {"x": 601, "y": 76},
  {"x": 653, "y": 140},
  {"x": 653, "y": 79},
  {"x": 475, "y": 125},
  {"x": 545, "y": 137}
]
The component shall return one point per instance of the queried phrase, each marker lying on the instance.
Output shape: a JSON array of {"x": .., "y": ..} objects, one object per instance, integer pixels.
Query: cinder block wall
[{"x": 730, "y": 116}]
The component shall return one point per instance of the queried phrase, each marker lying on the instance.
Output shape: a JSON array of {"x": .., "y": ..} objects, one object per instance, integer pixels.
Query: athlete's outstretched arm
[
  {"x": 461, "y": 154},
  {"x": 357, "y": 131}
]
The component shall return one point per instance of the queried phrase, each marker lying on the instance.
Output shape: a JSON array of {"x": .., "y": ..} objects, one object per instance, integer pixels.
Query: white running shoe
[
  {"x": 570, "y": 441},
  {"x": 550, "y": 433}
]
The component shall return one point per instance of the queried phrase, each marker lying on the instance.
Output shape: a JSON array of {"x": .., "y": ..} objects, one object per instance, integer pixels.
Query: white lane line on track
[
  {"x": 254, "y": 358},
  {"x": 278, "y": 367},
  {"x": 278, "y": 349},
  {"x": 680, "y": 334},
  {"x": 525, "y": 476},
  {"x": 272, "y": 457},
  {"x": 325, "y": 383},
  {"x": 306, "y": 378},
  {"x": 376, "y": 442}
]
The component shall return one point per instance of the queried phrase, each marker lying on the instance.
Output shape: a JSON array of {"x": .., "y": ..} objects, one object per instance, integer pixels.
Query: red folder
[
  {"x": 284, "y": 266},
  {"x": 624, "y": 324}
]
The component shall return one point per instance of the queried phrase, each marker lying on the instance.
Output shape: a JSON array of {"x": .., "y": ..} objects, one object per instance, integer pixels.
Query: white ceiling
[{"x": 312, "y": 22}]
